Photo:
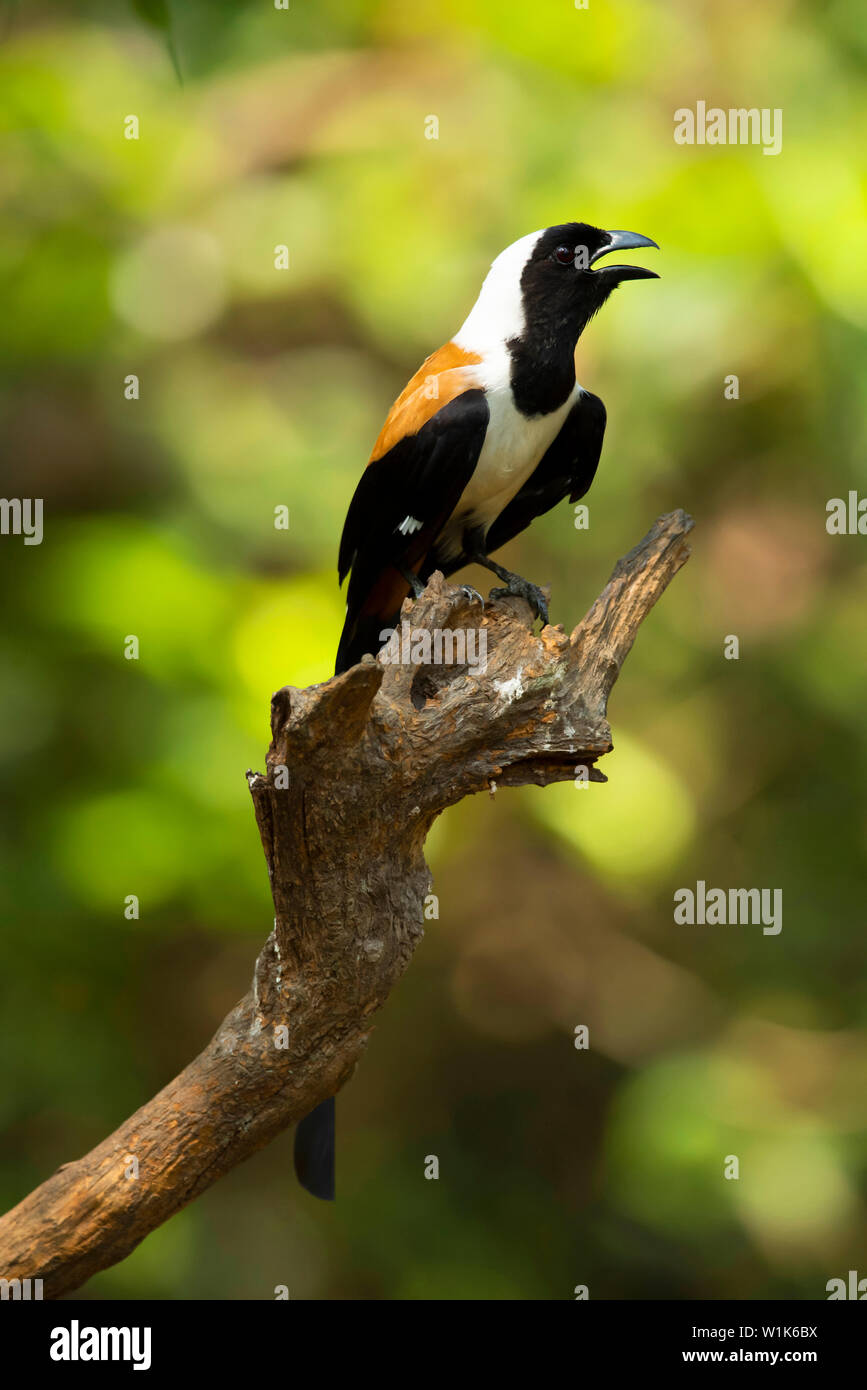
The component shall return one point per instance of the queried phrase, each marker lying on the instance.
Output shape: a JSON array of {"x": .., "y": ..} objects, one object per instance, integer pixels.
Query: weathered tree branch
[{"x": 357, "y": 772}]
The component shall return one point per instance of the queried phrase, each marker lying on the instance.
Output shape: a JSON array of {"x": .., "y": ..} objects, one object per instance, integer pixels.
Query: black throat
[
  {"x": 558, "y": 302},
  {"x": 543, "y": 371}
]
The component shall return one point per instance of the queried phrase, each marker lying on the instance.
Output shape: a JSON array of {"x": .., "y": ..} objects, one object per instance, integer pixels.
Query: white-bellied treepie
[{"x": 493, "y": 430}]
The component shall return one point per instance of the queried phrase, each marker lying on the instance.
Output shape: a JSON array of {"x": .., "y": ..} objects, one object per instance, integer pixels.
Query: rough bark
[{"x": 357, "y": 771}]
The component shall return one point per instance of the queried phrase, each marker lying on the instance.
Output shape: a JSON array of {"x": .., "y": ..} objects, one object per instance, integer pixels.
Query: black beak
[{"x": 624, "y": 241}]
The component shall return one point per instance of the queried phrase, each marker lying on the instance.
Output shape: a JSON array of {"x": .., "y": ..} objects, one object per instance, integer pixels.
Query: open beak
[{"x": 624, "y": 241}]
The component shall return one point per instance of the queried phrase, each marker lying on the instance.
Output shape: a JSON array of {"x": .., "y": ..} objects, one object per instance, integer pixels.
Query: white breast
[{"x": 514, "y": 446}]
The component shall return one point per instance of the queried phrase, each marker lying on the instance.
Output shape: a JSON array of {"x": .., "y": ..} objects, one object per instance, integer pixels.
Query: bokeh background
[{"x": 261, "y": 388}]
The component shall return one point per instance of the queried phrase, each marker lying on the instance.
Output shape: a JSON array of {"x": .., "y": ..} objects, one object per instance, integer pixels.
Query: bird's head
[
  {"x": 549, "y": 284},
  {"x": 562, "y": 283}
]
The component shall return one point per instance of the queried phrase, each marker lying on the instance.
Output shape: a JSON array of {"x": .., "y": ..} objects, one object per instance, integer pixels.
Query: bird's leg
[
  {"x": 418, "y": 588},
  {"x": 412, "y": 580},
  {"x": 522, "y": 588}
]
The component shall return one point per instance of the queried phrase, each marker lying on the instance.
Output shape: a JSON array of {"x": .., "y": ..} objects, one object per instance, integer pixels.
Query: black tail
[
  {"x": 314, "y": 1151},
  {"x": 373, "y": 602}
]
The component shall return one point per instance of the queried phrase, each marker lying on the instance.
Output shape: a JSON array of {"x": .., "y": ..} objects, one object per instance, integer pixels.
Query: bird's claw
[
  {"x": 522, "y": 588},
  {"x": 472, "y": 594}
]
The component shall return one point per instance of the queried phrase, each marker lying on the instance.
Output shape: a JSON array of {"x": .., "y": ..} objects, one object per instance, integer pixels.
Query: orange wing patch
[{"x": 441, "y": 377}]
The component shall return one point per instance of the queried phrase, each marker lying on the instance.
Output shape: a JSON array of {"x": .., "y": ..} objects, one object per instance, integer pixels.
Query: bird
[{"x": 492, "y": 431}]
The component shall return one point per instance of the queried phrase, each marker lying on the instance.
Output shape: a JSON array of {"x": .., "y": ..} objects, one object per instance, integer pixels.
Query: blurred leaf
[{"x": 156, "y": 13}]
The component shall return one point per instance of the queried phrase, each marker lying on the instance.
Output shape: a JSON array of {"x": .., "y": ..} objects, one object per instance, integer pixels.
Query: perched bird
[{"x": 493, "y": 430}]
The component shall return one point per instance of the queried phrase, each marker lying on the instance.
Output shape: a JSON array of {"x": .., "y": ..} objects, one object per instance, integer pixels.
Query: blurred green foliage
[{"x": 261, "y": 388}]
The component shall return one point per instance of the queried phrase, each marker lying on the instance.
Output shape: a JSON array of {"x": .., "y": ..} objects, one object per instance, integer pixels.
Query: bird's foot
[
  {"x": 523, "y": 588},
  {"x": 472, "y": 594}
]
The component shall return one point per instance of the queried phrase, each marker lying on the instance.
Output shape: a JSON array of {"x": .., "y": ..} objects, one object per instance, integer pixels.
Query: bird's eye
[{"x": 565, "y": 255}]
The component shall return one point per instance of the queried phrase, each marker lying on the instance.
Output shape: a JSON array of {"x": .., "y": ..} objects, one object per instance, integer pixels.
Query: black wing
[
  {"x": 402, "y": 501},
  {"x": 568, "y": 467}
]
